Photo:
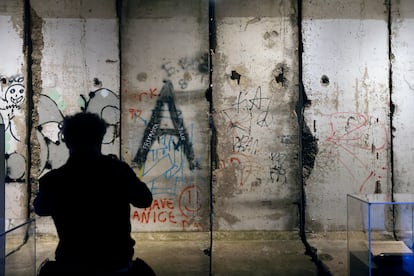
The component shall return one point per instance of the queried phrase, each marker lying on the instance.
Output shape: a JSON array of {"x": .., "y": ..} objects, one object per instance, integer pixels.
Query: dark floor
[{"x": 248, "y": 253}]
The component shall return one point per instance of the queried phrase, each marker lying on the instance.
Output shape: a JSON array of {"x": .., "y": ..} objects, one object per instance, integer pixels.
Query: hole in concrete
[
  {"x": 324, "y": 80},
  {"x": 235, "y": 76},
  {"x": 142, "y": 76},
  {"x": 280, "y": 73},
  {"x": 96, "y": 82}
]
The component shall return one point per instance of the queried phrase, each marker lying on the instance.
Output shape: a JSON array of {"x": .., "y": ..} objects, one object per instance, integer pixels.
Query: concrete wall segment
[
  {"x": 265, "y": 8},
  {"x": 102, "y": 9},
  {"x": 402, "y": 43},
  {"x": 165, "y": 113},
  {"x": 345, "y": 74},
  {"x": 166, "y": 9},
  {"x": 79, "y": 57},
  {"x": 75, "y": 67},
  {"x": 349, "y": 9},
  {"x": 254, "y": 94},
  {"x": 13, "y": 106}
]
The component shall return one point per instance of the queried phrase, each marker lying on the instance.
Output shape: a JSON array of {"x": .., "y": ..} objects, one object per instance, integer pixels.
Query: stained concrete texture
[
  {"x": 331, "y": 251},
  {"x": 232, "y": 254},
  {"x": 188, "y": 254},
  {"x": 276, "y": 257}
]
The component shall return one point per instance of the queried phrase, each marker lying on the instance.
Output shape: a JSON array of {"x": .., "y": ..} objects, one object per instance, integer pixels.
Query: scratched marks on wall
[
  {"x": 186, "y": 69},
  {"x": 12, "y": 97},
  {"x": 249, "y": 111},
  {"x": 278, "y": 168},
  {"x": 54, "y": 153},
  {"x": 352, "y": 136},
  {"x": 245, "y": 118}
]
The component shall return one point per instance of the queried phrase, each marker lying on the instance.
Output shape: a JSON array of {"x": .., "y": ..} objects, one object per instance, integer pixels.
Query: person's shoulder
[
  {"x": 113, "y": 160},
  {"x": 52, "y": 174}
]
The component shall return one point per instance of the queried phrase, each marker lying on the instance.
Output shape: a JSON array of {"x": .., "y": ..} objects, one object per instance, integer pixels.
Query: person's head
[{"x": 83, "y": 132}]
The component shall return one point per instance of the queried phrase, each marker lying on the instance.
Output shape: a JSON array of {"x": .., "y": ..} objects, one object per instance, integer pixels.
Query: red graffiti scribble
[
  {"x": 161, "y": 210},
  {"x": 164, "y": 211},
  {"x": 234, "y": 159},
  {"x": 189, "y": 201},
  {"x": 154, "y": 216},
  {"x": 141, "y": 95},
  {"x": 196, "y": 226},
  {"x": 245, "y": 164},
  {"x": 152, "y": 92},
  {"x": 135, "y": 112},
  {"x": 352, "y": 133}
]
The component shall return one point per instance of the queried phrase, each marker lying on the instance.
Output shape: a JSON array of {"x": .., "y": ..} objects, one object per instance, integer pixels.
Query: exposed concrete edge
[
  {"x": 332, "y": 235},
  {"x": 217, "y": 236},
  {"x": 171, "y": 236},
  {"x": 255, "y": 235},
  {"x": 353, "y": 235},
  {"x": 200, "y": 236},
  {"x": 146, "y": 236}
]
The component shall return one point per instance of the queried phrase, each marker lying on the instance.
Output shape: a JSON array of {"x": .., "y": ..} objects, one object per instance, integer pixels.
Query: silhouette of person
[{"x": 89, "y": 200}]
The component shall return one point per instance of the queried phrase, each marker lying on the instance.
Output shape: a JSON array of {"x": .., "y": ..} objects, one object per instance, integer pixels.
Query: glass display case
[{"x": 380, "y": 234}]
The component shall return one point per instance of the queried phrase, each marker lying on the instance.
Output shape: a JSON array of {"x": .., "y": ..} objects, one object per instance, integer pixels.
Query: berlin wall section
[
  {"x": 13, "y": 106},
  {"x": 255, "y": 83},
  {"x": 75, "y": 68},
  {"x": 159, "y": 113},
  {"x": 165, "y": 112},
  {"x": 345, "y": 76},
  {"x": 402, "y": 53}
]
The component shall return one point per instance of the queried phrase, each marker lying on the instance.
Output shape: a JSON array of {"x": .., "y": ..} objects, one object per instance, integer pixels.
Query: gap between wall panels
[{"x": 302, "y": 100}]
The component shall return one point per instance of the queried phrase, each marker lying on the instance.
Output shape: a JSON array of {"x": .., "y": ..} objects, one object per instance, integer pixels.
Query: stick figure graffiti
[{"x": 12, "y": 97}]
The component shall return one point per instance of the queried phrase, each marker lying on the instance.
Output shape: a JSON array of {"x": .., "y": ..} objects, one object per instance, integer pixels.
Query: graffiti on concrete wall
[
  {"x": 187, "y": 68},
  {"x": 154, "y": 130},
  {"x": 165, "y": 153},
  {"x": 250, "y": 110},
  {"x": 242, "y": 117},
  {"x": 167, "y": 143},
  {"x": 165, "y": 210},
  {"x": 247, "y": 168},
  {"x": 12, "y": 98},
  {"x": 54, "y": 153},
  {"x": 105, "y": 103},
  {"x": 162, "y": 156},
  {"x": 278, "y": 168},
  {"x": 352, "y": 135}
]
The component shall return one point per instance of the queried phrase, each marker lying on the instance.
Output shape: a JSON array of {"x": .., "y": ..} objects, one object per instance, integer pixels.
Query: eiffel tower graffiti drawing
[{"x": 153, "y": 130}]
